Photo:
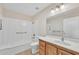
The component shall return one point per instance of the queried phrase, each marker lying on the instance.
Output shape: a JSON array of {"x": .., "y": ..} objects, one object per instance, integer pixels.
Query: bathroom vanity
[
  {"x": 59, "y": 26},
  {"x": 51, "y": 47}
]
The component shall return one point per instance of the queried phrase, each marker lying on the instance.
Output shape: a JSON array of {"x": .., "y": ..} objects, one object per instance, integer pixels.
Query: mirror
[
  {"x": 71, "y": 27},
  {"x": 54, "y": 26},
  {"x": 64, "y": 27},
  {"x": 65, "y": 24}
]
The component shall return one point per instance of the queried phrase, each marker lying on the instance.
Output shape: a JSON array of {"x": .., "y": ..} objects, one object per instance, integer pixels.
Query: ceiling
[{"x": 29, "y": 9}]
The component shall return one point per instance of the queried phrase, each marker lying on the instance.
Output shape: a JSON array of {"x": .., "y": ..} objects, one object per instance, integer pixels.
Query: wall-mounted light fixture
[
  {"x": 62, "y": 6},
  {"x": 58, "y": 7},
  {"x": 52, "y": 11}
]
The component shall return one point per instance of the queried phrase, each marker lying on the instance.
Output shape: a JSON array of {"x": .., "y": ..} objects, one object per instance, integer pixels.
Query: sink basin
[{"x": 62, "y": 42}]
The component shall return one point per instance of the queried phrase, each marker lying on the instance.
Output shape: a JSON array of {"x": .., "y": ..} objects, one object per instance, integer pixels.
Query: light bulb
[
  {"x": 62, "y": 7},
  {"x": 52, "y": 11},
  {"x": 57, "y": 9}
]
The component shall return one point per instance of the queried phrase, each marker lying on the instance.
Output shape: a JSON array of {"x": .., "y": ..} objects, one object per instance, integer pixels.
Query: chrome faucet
[{"x": 62, "y": 39}]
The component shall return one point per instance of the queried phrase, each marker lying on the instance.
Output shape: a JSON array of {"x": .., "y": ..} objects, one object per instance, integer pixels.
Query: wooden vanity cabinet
[{"x": 46, "y": 48}]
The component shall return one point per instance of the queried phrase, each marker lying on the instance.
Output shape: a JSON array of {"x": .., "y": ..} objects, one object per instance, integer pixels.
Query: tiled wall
[{"x": 15, "y": 32}]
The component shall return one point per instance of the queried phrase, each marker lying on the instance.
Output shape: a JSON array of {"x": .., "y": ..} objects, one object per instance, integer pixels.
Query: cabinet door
[
  {"x": 61, "y": 52},
  {"x": 42, "y": 47},
  {"x": 41, "y": 52},
  {"x": 50, "y": 50}
]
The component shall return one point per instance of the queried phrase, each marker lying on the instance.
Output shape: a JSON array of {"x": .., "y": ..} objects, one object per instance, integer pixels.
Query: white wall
[{"x": 40, "y": 22}]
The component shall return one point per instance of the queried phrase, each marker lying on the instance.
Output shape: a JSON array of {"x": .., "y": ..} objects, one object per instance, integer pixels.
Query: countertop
[{"x": 72, "y": 45}]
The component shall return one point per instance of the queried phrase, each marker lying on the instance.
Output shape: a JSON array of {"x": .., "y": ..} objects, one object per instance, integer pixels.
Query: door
[
  {"x": 42, "y": 47},
  {"x": 50, "y": 50}
]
